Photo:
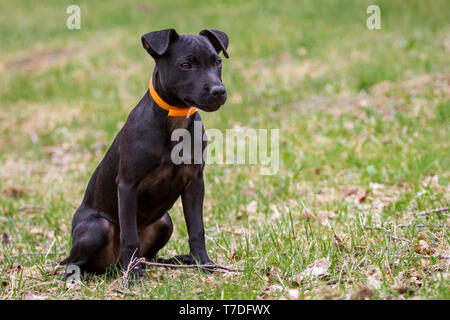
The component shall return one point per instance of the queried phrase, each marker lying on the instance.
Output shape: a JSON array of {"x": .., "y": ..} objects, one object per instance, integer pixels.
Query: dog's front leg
[
  {"x": 129, "y": 239},
  {"x": 192, "y": 199}
]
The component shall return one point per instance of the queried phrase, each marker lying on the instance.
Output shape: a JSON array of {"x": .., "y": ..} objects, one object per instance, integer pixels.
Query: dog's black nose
[{"x": 217, "y": 91}]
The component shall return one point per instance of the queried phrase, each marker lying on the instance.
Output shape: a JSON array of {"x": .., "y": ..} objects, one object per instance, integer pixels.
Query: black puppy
[{"x": 124, "y": 211}]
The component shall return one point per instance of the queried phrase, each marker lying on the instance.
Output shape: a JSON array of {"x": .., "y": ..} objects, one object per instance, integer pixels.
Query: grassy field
[{"x": 364, "y": 146}]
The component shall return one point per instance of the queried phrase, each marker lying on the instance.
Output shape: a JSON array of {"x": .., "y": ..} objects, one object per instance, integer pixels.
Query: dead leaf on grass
[
  {"x": 326, "y": 292},
  {"x": 422, "y": 236},
  {"x": 5, "y": 238},
  {"x": 307, "y": 214},
  {"x": 33, "y": 297},
  {"x": 406, "y": 290},
  {"x": 252, "y": 207},
  {"x": 30, "y": 208},
  {"x": 276, "y": 214},
  {"x": 273, "y": 273},
  {"x": 326, "y": 216},
  {"x": 251, "y": 190},
  {"x": 363, "y": 293},
  {"x": 424, "y": 247},
  {"x": 317, "y": 269},
  {"x": 13, "y": 191},
  {"x": 293, "y": 294},
  {"x": 373, "y": 278},
  {"x": 356, "y": 196}
]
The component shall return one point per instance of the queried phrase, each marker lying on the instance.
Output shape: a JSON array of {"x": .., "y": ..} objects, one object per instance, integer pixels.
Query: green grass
[{"x": 364, "y": 130}]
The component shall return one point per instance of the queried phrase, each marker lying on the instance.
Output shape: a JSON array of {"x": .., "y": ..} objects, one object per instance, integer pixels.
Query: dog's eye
[
  {"x": 186, "y": 65},
  {"x": 218, "y": 63}
]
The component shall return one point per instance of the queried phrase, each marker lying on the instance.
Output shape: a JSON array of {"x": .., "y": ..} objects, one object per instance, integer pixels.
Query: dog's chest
[
  {"x": 161, "y": 188},
  {"x": 167, "y": 179}
]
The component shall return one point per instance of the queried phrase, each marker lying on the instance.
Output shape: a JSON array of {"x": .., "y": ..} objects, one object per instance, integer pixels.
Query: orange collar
[{"x": 173, "y": 111}]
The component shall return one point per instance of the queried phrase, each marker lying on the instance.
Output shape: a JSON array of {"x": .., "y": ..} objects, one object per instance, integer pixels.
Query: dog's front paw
[
  {"x": 206, "y": 267},
  {"x": 137, "y": 273},
  {"x": 134, "y": 276},
  {"x": 185, "y": 259}
]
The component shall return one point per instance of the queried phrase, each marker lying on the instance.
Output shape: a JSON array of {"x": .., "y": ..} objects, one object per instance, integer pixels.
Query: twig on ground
[
  {"x": 49, "y": 248},
  {"x": 424, "y": 213},
  {"x": 338, "y": 240},
  {"x": 330, "y": 283},
  {"x": 423, "y": 256},
  {"x": 389, "y": 233},
  {"x": 134, "y": 262},
  {"x": 30, "y": 206},
  {"x": 208, "y": 267},
  {"x": 421, "y": 225},
  {"x": 124, "y": 292}
]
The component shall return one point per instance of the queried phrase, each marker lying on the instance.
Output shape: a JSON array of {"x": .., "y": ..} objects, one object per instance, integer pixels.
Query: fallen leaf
[
  {"x": 373, "y": 278},
  {"x": 376, "y": 187},
  {"x": 424, "y": 248},
  {"x": 252, "y": 207},
  {"x": 6, "y": 238},
  {"x": 307, "y": 214},
  {"x": 326, "y": 216},
  {"x": 422, "y": 236},
  {"x": 13, "y": 192},
  {"x": 270, "y": 273},
  {"x": 251, "y": 190},
  {"x": 33, "y": 297},
  {"x": 275, "y": 288},
  {"x": 356, "y": 196},
  {"x": 30, "y": 208},
  {"x": 373, "y": 283},
  {"x": 363, "y": 293},
  {"x": 406, "y": 290},
  {"x": 293, "y": 294},
  {"x": 302, "y": 51},
  {"x": 361, "y": 195},
  {"x": 276, "y": 214},
  {"x": 318, "y": 268}
]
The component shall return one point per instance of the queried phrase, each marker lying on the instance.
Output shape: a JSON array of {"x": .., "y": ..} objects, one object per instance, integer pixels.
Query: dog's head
[{"x": 189, "y": 66}]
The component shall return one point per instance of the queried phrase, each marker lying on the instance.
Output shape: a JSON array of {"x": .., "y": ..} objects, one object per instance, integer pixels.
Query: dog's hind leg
[
  {"x": 94, "y": 245},
  {"x": 154, "y": 237}
]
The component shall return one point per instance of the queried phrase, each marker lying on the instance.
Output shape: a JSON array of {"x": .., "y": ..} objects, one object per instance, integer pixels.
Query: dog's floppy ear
[
  {"x": 218, "y": 39},
  {"x": 157, "y": 42}
]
